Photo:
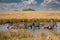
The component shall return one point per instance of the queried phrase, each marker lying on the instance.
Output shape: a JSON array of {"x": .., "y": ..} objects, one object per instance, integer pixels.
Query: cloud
[
  {"x": 50, "y": 4},
  {"x": 10, "y": 1},
  {"x": 17, "y": 6},
  {"x": 8, "y": 6},
  {"x": 29, "y": 2}
]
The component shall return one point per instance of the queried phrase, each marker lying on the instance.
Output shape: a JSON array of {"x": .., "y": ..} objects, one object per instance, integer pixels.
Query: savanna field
[
  {"x": 22, "y": 34},
  {"x": 30, "y": 14}
]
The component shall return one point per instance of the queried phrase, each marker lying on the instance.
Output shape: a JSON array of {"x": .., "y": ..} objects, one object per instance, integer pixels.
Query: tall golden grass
[
  {"x": 30, "y": 15},
  {"x": 14, "y": 35},
  {"x": 22, "y": 34}
]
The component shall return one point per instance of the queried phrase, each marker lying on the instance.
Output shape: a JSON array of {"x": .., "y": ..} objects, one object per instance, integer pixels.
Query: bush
[
  {"x": 29, "y": 9},
  {"x": 4, "y": 21}
]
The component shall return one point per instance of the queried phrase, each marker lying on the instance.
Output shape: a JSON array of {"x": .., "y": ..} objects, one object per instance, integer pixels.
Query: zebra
[
  {"x": 27, "y": 25},
  {"x": 50, "y": 25},
  {"x": 36, "y": 25}
]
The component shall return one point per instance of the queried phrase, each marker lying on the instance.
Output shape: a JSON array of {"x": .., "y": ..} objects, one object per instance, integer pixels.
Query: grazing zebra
[
  {"x": 10, "y": 24},
  {"x": 50, "y": 25},
  {"x": 27, "y": 25},
  {"x": 36, "y": 24}
]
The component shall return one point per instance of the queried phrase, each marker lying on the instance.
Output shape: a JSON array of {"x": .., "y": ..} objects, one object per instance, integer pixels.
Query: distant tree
[{"x": 29, "y": 9}]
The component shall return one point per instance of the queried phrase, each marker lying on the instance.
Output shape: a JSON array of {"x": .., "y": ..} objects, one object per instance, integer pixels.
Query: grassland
[
  {"x": 22, "y": 34},
  {"x": 28, "y": 16}
]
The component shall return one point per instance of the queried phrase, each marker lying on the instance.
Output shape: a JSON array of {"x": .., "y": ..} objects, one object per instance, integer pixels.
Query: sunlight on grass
[{"x": 22, "y": 34}]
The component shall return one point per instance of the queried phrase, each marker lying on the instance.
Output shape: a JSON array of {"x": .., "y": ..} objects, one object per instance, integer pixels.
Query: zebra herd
[{"x": 49, "y": 25}]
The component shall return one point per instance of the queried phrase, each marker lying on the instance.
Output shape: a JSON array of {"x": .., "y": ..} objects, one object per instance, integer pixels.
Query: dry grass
[
  {"x": 22, "y": 34},
  {"x": 14, "y": 35},
  {"x": 30, "y": 14}
]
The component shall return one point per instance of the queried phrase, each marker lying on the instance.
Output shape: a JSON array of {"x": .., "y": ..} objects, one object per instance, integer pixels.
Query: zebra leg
[
  {"x": 31, "y": 27},
  {"x": 39, "y": 27}
]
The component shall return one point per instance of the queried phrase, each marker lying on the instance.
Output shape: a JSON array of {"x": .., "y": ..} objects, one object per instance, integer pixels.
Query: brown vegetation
[
  {"x": 22, "y": 34},
  {"x": 30, "y": 15}
]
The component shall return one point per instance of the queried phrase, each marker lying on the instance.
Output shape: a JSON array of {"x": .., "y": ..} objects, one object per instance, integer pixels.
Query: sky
[{"x": 34, "y": 4}]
